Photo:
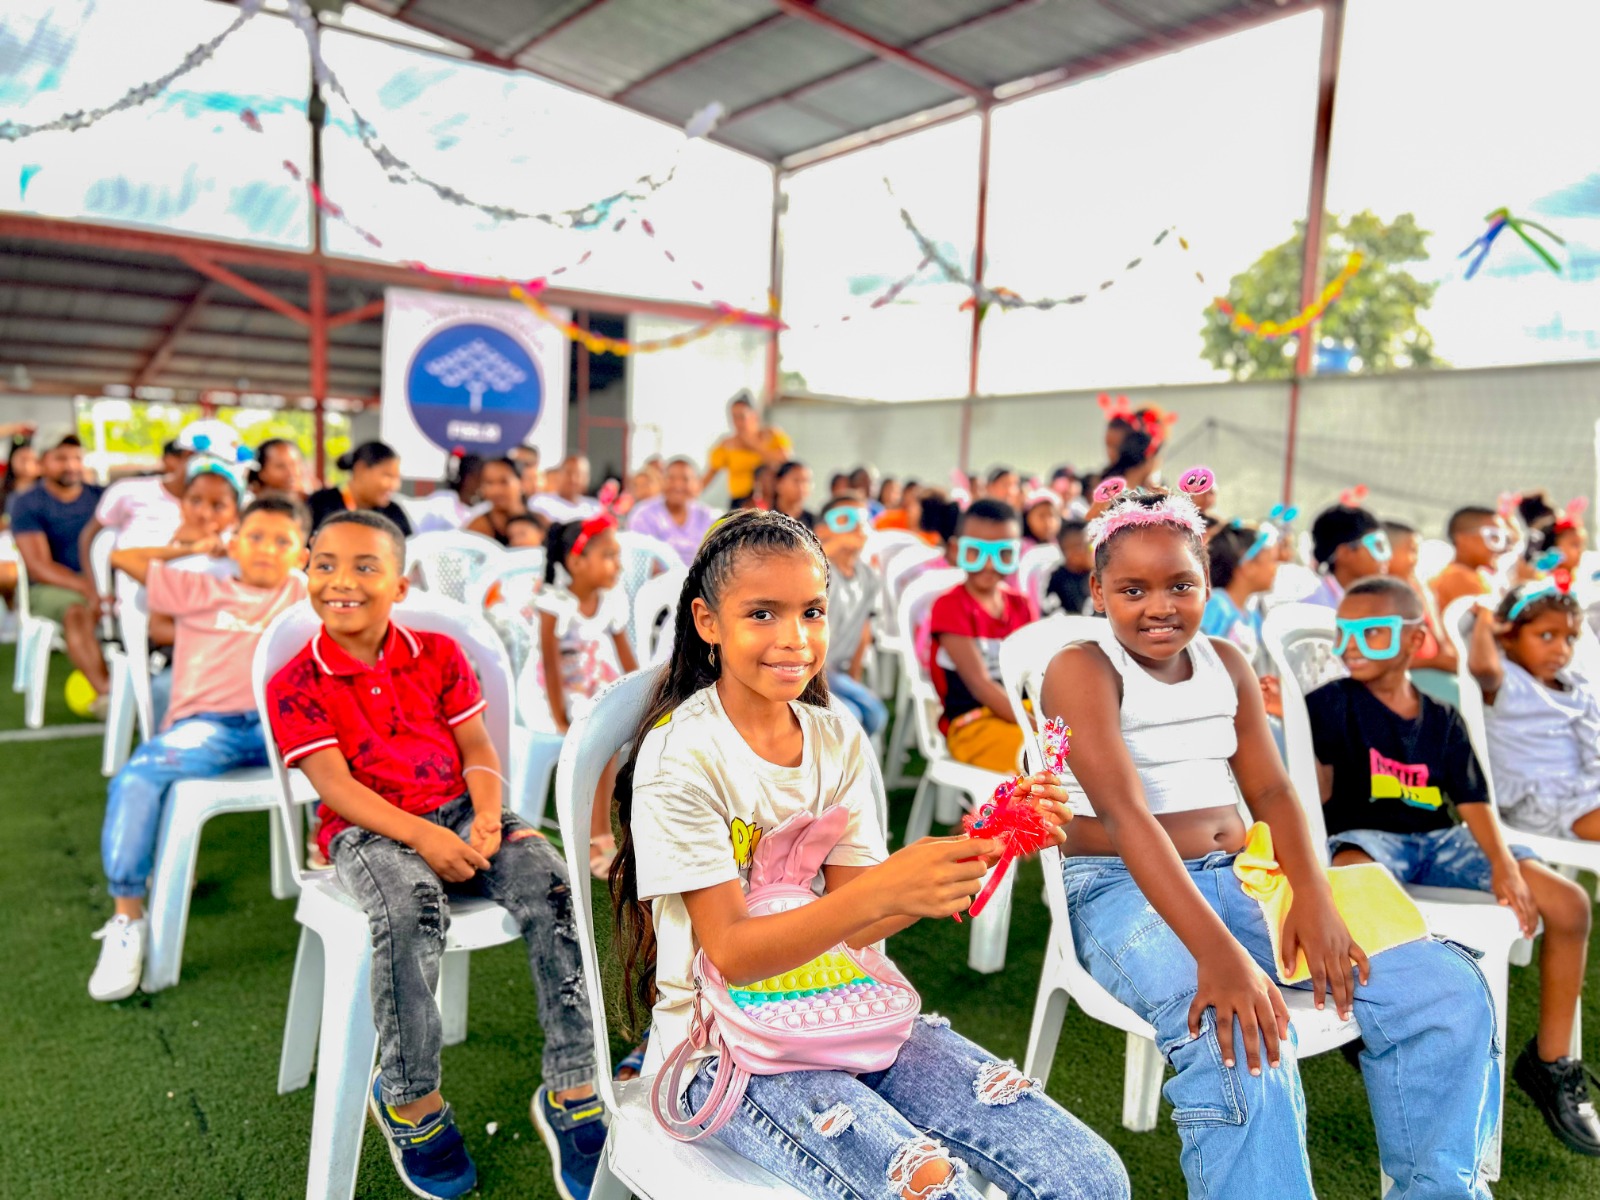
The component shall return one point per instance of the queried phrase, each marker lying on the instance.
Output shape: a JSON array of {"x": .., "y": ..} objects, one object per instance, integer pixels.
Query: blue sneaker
[
  {"x": 575, "y": 1135},
  {"x": 430, "y": 1156}
]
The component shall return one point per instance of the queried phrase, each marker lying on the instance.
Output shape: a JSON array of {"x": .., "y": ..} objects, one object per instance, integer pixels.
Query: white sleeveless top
[{"x": 1180, "y": 735}]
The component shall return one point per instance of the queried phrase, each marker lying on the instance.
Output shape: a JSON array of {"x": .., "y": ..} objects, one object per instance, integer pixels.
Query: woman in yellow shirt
[{"x": 749, "y": 446}]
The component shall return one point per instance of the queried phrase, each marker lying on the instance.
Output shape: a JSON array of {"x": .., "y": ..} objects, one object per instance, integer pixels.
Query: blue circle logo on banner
[{"x": 474, "y": 386}]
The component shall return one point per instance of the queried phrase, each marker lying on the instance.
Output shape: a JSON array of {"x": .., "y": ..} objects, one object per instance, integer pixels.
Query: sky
[{"x": 1446, "y": 109}]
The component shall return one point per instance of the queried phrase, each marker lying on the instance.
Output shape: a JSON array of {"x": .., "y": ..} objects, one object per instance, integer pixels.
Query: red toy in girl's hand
[{"x": 1020, "y": 828}]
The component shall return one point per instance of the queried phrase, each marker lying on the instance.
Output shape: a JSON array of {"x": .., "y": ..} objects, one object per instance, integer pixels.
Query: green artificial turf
[{"x": 173, "y": 1094}]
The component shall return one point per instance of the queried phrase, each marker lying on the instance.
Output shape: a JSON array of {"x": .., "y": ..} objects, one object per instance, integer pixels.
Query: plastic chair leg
[
  {"x": 1496, "y": 971},
  {"x": 903, "y": 736},
  {"x": 345, "y": 1054},
  {"x": 1521, "y": 952},
  {"x": 606, "y": 1185},
  {"x": 282, "y": 860},
  {"x": 1577, "y": 1033},
  {"x": 452, "y": 995},
  {"x": 1049, "y": 1012},
  {"x": 920, "y": 823},
  {"x": 38, "y": 681},
  {"x": 1142, "y": 1075},
  {"x": 19, "y": 666},
  {"x": 119, "y": 717},
  {"x": 986, "y": 947},
  {"x": 304, "y": 1018},
  {"x": 947, "y": 806},
  {"x": 177, "y": 853},
  {"x": 539, "y": 768}
]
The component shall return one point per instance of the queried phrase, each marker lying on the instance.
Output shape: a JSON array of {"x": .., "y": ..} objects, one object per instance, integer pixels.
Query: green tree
[{"x": 1376, "y": 318}]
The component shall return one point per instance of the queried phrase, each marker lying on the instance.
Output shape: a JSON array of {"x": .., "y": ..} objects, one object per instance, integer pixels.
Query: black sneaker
[{"x": 1560, "y": 1090}]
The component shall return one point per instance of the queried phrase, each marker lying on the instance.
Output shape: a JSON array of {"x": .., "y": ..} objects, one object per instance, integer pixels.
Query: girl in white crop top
[{"x": 1168, "y": 734}]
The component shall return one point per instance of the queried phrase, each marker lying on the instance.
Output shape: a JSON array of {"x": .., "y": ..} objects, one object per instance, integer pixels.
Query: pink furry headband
[{"x": 1177, "y": 511}]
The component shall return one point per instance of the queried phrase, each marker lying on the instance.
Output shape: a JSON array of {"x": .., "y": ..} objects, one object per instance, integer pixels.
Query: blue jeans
[
  {"x": 1431, "y": 1065},
  {"x": 198, "y": 747},
  {"x": 847, "y": 1137},
  {"x": 1447, "y": 858},
  {"x": 861, "y": 700}
]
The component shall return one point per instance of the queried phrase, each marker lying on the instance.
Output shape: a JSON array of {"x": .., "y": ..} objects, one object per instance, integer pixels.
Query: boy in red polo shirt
[
  {"x": 967, "y": 625},
  {"x": 387, "y": 724}
]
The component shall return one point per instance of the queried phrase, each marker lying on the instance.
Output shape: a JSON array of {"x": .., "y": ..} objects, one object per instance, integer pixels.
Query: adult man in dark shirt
[{"x": 47, "y": 522}]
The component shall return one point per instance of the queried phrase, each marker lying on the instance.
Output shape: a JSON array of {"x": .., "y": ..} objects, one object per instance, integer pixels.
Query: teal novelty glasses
[
  {"x": 845, "y": 520},
  {"x": 1378, "y": 638},
  {"x": 1003, "y": 554},
  {"x": 1377, "y": 544}
]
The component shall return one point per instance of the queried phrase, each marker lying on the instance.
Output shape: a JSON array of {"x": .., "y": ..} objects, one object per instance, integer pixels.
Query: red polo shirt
[{"x": 393, "y": 722}]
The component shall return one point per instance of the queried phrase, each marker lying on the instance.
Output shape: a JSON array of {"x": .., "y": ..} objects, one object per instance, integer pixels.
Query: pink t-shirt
[{"x": 219, "y": 622}]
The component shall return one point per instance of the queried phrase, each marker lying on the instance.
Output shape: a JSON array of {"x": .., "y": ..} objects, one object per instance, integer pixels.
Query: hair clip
[
  {"x": 458, "y": 451},
  {"x": 1110, "y": 489},
  {"x": 1352, "y": 497},
  {"x": 1196, "y": 481}
]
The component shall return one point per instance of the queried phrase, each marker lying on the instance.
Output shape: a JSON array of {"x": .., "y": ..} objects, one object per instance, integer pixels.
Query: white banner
[{"x": 461, "y": 371}]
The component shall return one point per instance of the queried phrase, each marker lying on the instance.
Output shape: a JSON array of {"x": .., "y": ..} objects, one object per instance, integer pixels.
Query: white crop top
[{"x": 1180, "y": 735}]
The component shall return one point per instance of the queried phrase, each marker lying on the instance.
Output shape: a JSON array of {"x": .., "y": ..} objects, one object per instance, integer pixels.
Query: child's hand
[
  {"x": 933, "y": 877},
  {"x": 485, "y": 836},
  {"x": 1511, "y": 890},
  {"x": 1231, "y": 983},
  {"x": 1272, "y": 695},
  {"x": 1315, "y": 928},
  {"x": 1048, "y": 794},
  {"x": 452, "y": 859}
]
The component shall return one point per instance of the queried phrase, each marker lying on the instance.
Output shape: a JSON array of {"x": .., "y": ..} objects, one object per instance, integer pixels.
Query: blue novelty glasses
[
  {"x": 1376, "y": 544},
  {"x": 1378, "y": 638},
  {"x": 1004, "y": 554},
  {"x": 845, "y": 520}
]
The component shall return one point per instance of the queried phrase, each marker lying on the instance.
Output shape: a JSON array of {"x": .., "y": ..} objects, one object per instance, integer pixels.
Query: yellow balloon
[{"x": 80, "y": 694}]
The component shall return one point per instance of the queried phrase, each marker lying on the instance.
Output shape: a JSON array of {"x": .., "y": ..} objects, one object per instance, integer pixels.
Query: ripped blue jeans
[
  {"x": 1431, "y": 1064},
  {"x": 409, "y": 914},
  {"x": 944, "y": 1101},
  {"x": 198, "y": 747}
]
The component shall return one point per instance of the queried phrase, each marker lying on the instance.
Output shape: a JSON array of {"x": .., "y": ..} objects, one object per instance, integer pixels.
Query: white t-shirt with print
[
  {"x": 588, "y": 647},
  {"x": 702, "y": 799},
  {"x": 142, "y": 512}
]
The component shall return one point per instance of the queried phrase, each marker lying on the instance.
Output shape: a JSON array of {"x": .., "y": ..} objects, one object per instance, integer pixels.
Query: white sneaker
[{"x": 116, "y": 975}]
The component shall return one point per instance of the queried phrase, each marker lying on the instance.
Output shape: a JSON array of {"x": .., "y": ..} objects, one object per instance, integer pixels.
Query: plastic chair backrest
[
  {"x": 643, "y": 558},
  {"x": 430, "y": 613},
  {"x": 100, "y": 568},
  {"x": 520, "y": 575},
  {"x": 1293, "y": 583},
  {"x": 1024, "y": 656},
  {"x": 446, "y": 561},
  {"x": 655, "y": 611},
  {"x": 1299, "y": 639},
  {"x": 1433, "y": 556},
  {"x": 594, "y": 739},
  {"x": 898, "y": 571},
  {"x": 20, "y": 603},
  {"x": 913, "y": 607},
  {"x": 133, "y": 609},
  {"x": 1035, "y": 569},
  {"x": 878, "y": 542}
]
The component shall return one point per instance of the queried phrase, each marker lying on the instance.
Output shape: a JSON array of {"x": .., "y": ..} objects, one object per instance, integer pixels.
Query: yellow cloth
[
  {"x": 1375, "y": 908},
  {"x": 741, "y": 462},
  {"x": 981, "y": 739}
]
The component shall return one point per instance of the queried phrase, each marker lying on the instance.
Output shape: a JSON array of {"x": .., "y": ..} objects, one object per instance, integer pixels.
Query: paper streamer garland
[
  {"x": 597, "y": 343},
  {"x": 1245, "y": 323},
  {"x": 14, "y": 131},
  {"x": 587, "y": 216}
]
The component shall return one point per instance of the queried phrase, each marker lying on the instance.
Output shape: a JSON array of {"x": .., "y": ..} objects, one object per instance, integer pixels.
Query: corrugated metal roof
[{"x": 796, "y": 75}]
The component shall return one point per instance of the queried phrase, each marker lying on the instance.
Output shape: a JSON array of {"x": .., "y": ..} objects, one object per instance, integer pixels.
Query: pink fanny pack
[{"x": 845, "y": 1010}]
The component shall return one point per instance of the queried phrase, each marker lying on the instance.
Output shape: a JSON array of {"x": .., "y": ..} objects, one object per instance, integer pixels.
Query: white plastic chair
[
  {"x": 1035, "y": 569},
  {"x": 1433, "y": 556},
  {"x": 643, "y": 558},
  {"x": 329, "y": 1017},
  {"x": 36, "y": 638},
  {"x": 1292, "y": 584},
  {"x": 639, "y": 1156},
  {"x": 883, "y": 544},
  {"x": 190, "y": 803},
  {"x": 1560, "y": 852},
  {"x": 1474, "y": 919},
  {"x": 943, "y": 776},
  {"x": 1023, "y": 659},
  {"x": 446, "y": 561},
  {"x": 890, "y": 644},
  {"x": 655, "y": 609}
]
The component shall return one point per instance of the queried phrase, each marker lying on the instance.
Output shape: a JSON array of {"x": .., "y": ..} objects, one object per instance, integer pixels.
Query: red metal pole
[
  {"x": 1316, "y": 203},
  {"x": 583, "y": 388},
  {"x": 774, "y": 356},
  {"x": 979, "y": 243}
]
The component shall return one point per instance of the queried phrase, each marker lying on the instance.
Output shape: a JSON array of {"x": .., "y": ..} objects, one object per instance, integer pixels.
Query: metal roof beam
[
  {"x": 242, "y": 285},
  {"x": 700, "y": 55},
  {"x": 354, "y": 316},
  {"x": 162, "y": 350},
  {"x": 805, "y": 10},
  {"x": 550, "y": 31}
]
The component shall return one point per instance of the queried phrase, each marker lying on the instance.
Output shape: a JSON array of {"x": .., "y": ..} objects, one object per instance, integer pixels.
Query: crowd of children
[{"x": 1176, "y": 715}]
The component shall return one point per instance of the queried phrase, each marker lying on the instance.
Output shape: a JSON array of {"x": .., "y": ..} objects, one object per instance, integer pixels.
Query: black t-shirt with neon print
[{"x": 1390, "y": 773}]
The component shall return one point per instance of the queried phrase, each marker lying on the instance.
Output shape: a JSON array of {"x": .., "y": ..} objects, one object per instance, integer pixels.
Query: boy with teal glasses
[
  {"x": 842, "y": 529},
  {"x": 1401, "y": 786},
  {"x": 967, "y": 625}
]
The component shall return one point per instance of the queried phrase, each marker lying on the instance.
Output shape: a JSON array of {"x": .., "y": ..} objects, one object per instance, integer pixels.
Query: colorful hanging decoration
[
  {"x": 587, "y": 216},
  {"x": 72, "y": 122},
  {"x": 983, "y": 296},
  {"x": 328, "y": 207},
  {"x": 597, "y": 343},
  {"x": 1245, "y": 323},
  {"x": 1499, "y": 221}
]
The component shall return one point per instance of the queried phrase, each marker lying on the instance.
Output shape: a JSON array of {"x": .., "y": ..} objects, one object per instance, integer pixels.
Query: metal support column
[
  {"x": 1316, "y": 204},
  {"x": 979, "y": 243},
  {"x": 774, "y": 357}
]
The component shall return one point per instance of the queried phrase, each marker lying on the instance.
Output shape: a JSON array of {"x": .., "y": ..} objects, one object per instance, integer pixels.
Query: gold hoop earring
[{"x": 712, "y": 654}]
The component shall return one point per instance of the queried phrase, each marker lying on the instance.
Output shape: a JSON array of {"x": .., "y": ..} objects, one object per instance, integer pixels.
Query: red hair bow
[{"x": 592, "y": 528}]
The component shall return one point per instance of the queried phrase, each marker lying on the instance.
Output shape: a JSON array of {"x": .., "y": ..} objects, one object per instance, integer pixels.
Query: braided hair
[{"x": 727, "y": 549}]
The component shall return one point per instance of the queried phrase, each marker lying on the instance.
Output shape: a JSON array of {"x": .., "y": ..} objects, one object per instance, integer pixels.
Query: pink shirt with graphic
[{"x": 219, "y": 622}]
